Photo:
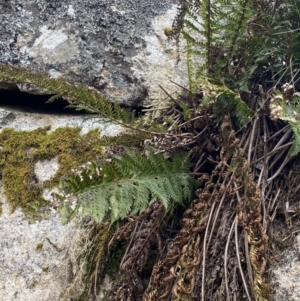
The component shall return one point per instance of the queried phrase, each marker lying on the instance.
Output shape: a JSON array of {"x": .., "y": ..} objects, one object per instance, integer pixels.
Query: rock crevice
[{"x": 118, "y": 47}]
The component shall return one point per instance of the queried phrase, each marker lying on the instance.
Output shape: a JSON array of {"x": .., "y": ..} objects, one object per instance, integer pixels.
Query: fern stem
[
  {"x": 208, "y": 33},
  {"x": 238, "y": 29},
  {"x": 189, "y": 64},
  {"x": 239, "y": 259},
  {"x": 155, "y": 109},
  {"x": 128, "y": 126},
  {"x": 170, "y": 96}
]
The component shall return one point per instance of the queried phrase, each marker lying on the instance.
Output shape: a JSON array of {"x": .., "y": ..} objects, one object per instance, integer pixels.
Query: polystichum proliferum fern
[
  {"x": 79, "y": 97},
  {"x": 285, "y": 105},
  {"x": 129, "y": 184},
  {"x": 203, "y": 25}
]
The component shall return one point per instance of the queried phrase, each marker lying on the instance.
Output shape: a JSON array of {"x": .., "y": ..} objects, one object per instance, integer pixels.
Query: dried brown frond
[
  {"x": 197, "y": 266},
  {"x": 143, "y": 234}
]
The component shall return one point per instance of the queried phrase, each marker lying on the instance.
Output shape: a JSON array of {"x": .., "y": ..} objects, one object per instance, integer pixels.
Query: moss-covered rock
[{"x": 20, "y": 150}]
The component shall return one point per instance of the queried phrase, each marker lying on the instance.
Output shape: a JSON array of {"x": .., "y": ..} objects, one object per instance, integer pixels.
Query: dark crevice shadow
[{"x": 14, "y": 100}]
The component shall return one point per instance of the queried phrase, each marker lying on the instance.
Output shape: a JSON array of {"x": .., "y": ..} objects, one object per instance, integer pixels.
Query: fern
[
  {"x": 224, "y": 101},
  {"x": 209, "y": 27},
  {"x": 295, "y": 126},
  {"x": 84, "y": 98},
  {"x": 269, "y": 46},
  {"x": 286, "y": 107},
  {"x": 79, "y": 97},
  {"x": 129, "y": 185}
]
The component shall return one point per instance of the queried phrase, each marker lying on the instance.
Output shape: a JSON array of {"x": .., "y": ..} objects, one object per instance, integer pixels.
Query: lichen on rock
[
  {"x": 38, "y": 260},
  {"x": 116, "y": 46}
]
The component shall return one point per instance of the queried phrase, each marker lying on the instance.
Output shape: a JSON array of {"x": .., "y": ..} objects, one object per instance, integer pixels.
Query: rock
[
  {"x": 24, "y": 121},
  {"x": 285, "y": 276},
  {"x": 38, "y": 259},
  {"x": 116, "y": 46},
  {"x": 45, "y": 169}
]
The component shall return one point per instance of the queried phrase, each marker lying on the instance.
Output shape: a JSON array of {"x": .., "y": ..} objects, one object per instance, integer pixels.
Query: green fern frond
[
  {"x": 243, "y": 112},
  {"x": 53, "y": 98},
  {"x": 195, "y": 28},
  {"x": 224, "y": 100},
  {"x": 208, "y": 27},
  {"x": 80, "y": 97},
  {"x": 186, "y": 110},
  {"x": 190, "y": 66},
  {"x": 130, "y": 184},
  {"x": 192, "y": 40},
  {"x": 295, "y": 126},
  {"x": 287, "y": 108},
  {"x": 83, "y": 98}
]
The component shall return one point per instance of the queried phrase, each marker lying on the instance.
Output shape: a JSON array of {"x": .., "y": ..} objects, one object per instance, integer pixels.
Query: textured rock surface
[
  {"x": 38, "y": 260},
  {"x": 117, "y": 46},
  {"x": 285, "y": 277},
  {"x": 23, "y": 121}
]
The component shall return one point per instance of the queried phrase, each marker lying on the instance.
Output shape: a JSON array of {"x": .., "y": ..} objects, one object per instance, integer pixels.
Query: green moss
[
  {"x": 20, "y": 150},
  {"x": 45, "y": 269},
  {"x": 113, "y": 264},
  {"x": 39, "y": 247}
]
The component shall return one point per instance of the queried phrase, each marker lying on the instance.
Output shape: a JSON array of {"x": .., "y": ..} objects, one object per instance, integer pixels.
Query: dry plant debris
[{"x": 222, "y": 245}]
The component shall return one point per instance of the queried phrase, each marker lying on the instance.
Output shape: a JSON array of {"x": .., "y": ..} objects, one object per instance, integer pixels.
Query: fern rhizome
[{"x": 189, "y": 210}]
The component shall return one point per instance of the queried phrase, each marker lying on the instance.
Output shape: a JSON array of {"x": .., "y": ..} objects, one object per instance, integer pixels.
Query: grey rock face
[
  {"x": 285, "y": 277},
  {"x": 117, "y": 46},
  {"x": 23, "y": 121},
  {"x": 38, "y": 261}
]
